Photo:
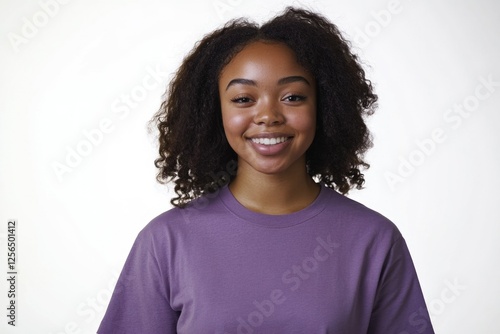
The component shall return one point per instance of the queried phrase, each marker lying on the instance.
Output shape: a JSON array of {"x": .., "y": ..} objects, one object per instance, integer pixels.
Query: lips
[{"x": 270, "y": 143}]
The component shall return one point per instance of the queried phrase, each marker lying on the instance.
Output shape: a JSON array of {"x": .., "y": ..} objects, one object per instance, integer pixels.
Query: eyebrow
[{"x": 282, "y": 81}]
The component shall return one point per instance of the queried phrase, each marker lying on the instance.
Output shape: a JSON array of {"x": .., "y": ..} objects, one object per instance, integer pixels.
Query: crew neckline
[{"x": 274, "y": 221}]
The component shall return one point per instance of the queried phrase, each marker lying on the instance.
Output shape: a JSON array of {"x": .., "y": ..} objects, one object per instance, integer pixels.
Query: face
[{"x": 268, "y": 106}]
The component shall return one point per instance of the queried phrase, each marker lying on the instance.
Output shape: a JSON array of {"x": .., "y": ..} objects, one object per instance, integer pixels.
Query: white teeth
[{"x": 269, "y": 141}]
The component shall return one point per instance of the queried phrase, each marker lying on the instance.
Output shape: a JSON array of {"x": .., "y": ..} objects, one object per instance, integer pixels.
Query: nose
[{"x": 269, "y": 114}]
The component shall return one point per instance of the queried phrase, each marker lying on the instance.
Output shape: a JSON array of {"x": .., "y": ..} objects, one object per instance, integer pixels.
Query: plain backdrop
[{"x": 80, "y": 79}]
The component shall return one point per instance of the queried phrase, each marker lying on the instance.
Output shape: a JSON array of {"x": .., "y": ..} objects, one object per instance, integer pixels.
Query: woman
[{"x": 262, "y": 132}]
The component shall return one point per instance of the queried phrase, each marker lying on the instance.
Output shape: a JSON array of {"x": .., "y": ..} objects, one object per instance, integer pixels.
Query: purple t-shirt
[{"x": 217, "y": 267}]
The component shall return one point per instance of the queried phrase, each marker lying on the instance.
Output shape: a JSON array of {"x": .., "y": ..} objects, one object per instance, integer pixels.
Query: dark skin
[{"x": 268, "y": 106}]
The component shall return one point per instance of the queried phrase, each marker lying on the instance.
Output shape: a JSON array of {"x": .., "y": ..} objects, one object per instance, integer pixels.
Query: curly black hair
[{"x": 193, "y": 148}]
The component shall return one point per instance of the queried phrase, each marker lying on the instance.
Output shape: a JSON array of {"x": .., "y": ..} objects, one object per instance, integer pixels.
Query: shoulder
[
  {"x": 162, "y": 223},
  {"x": 179, "y": 221},
  {"x": 358, "y": 218}
]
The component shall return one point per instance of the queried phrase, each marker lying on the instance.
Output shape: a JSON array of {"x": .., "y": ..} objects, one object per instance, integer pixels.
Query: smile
[{"x": 269, "y": 141}]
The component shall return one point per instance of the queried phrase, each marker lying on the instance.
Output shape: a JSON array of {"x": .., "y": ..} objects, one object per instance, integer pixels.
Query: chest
[{"x": 282, "y": 288}]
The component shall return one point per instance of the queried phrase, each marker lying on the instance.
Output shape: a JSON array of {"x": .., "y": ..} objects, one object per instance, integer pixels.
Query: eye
[
  {"x": 294, "y": 98},
  {"x": 241, "y": 100}
]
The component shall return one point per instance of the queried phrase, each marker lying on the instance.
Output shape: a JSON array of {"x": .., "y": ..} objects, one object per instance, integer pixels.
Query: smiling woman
[
  {"x": 273, "y": 247},
  {"x": 268, "y": 109},
  {"x": 193, "y": 143}
]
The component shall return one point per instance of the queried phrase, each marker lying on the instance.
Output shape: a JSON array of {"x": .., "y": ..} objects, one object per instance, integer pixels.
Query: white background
[{"x": 67, "y": 70}]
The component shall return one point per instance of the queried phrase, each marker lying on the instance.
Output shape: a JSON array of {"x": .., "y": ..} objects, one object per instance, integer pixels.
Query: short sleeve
[
  {"x": 399, "y": 306},
  {"x": 139, "y": 303}
]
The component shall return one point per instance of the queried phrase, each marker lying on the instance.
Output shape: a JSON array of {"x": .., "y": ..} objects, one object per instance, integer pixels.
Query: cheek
[
  {"x": 234, "y": 124},
  {"x": 304, "y": 122}
]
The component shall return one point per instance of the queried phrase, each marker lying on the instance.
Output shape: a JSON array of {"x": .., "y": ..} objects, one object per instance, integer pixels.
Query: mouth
[
  {"x": 270, "y": 140},
  {"x": 271, "y": 144}
]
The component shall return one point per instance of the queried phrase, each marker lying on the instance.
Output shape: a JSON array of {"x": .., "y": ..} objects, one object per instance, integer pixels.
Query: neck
[{"x": 275, "y": 194}]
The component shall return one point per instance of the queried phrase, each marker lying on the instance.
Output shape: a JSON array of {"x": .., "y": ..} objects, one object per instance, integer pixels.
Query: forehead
[{"x": 268, "y": 59}]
